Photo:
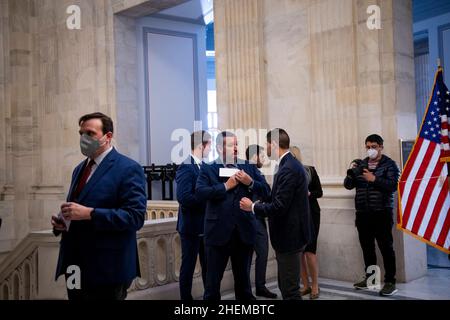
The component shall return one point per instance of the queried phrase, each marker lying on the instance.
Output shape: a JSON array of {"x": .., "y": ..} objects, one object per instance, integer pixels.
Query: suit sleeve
[
  {"x": 284, "y": 194},
  {"x": 186, "y": 181},
  {"x": 133, "y": 204},
  {"x": 260, "y": 188},
  {"x": 205, "y": 189},
  {"x": 315, "y": 186}
]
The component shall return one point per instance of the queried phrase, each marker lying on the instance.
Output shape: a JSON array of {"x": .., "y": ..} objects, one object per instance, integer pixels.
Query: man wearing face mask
[
  {"x": 374, "y": 202},
  {"x": 105, "y": 207}
]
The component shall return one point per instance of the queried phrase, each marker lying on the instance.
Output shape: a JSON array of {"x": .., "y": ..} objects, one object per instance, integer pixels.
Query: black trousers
[
  {"x": 377, "y": 225},
  {"x": 103, "y": 292},
  {"x": 289, "y": 275},
  {"x": 216, "y": 262},
  {"x": 191, "y": 247},
  {"x": 261, "y": 249}
]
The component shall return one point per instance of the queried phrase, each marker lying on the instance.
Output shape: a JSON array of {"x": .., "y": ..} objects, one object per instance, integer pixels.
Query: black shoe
[
  {"x": 264, "y": 292},
  {"x": 361, "y": 285},
  {"x": 388, "y": 289}
]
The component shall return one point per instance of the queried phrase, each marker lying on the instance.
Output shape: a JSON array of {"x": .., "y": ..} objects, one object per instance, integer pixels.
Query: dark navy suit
[
  {"x": 229, "y": 231},
  {"x": 290, "y": 222},
  {"x": 191, "y": 218},
  {"x": 105, "y": 247}
]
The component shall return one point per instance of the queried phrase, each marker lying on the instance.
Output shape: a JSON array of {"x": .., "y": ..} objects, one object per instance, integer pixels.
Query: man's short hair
[
  {"x": 199, "y": 137},
  {"x": 252, "y": 150},
  {"x": 375, "y": 138},
  {"x": 281, "y": 134},
  {"x": 221, "y": 137},
  {"x": 107, "y": 123}
]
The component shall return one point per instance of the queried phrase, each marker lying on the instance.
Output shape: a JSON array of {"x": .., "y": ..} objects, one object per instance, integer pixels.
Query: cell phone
[{"x": 58, "y": 220}]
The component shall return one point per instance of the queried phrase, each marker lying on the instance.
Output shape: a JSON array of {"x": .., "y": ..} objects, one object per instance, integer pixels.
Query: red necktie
[{"x": 86, "y": 172}]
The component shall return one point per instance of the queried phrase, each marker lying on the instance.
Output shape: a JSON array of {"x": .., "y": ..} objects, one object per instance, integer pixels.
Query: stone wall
[
  {"x": 49, "y": 77},
  {"x": 329, "y": 81}
]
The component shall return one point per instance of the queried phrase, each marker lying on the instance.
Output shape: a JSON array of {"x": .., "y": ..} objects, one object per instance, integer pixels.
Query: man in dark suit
[
  {"x": 191, "y": 213},
  {"x": 289, "y": 217},
  {"x": 105, "y": 207},
  {"x": 255, "y": 154},
  {"x": 229, "y": 232}
]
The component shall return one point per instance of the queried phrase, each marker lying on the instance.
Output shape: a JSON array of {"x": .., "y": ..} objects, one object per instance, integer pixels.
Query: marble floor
[{"x": 434, "y": 286}]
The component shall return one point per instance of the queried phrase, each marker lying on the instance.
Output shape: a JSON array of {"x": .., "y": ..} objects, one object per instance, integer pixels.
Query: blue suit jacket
[
  {"x": 105, "y": 247},
  {"x": 191, "y": 212},
  {"x": 223, "y": 214},
  {"x": 290, "y": 221}
]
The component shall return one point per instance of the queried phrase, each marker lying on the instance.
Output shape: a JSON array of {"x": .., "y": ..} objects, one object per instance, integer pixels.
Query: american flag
[{"x": 423, "y": 189}]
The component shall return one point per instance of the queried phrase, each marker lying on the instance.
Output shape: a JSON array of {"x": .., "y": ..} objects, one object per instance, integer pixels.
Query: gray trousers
[{"x": 289, "y": 275}]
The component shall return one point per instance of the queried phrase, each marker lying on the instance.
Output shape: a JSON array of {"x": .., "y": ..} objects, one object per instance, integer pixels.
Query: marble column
[
  {"x": 239, "y": 49},
  {"x": 329, "y": 81},
  {"x": 51, "y": 76}
]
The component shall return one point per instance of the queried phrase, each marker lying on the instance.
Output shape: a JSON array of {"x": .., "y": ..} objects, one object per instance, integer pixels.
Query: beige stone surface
[
  {"x": 330, "y": 82},
  {"x": 310, "y": 66}
]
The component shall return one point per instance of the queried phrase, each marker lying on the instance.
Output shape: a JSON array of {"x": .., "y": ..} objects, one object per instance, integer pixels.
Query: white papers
[
  {"x": 65, "y": 221},
  {"x": 227, "y": 172}
]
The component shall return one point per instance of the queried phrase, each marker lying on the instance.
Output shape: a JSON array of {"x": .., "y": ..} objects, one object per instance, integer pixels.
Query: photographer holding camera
[{"x": 375, "y": 179}]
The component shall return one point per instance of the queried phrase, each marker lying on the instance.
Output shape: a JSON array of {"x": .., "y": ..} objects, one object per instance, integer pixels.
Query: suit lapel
[
  {"x": 282, "y": 162},
  {"x": 196, "y": 168},
  {"x": 76, "y": 178},
  {"x": 105, "y": 165}
]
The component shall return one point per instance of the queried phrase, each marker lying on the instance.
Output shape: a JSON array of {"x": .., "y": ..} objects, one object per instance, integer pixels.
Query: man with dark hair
[
  {"x": 281, "y": 137},
  {"x": 191, "y": 213},
  {"x": 229, "y": 232},
  {"x": 375, "y": 185},
  {"x": 105, "y": 207},
  {"x": 255, "y": 154},
  {"x": 290, "y": 221}
]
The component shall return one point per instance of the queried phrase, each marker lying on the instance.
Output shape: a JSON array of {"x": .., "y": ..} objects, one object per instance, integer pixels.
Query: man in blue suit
[
  {"x": 191, "y": 213},
  {"x": 229, "y": 231},
  {"x": 290, "y": 222},
  {"x": 105, "y": 207}
]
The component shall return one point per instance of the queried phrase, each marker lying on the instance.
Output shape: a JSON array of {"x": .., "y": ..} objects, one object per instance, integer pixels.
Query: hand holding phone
[{"x": 58, "y": 223}]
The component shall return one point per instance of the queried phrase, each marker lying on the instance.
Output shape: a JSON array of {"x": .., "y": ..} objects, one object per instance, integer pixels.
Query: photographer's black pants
[{"x": 377, "y": 225}]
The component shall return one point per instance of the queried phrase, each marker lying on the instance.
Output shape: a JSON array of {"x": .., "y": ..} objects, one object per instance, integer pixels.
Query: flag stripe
[
  {"x": 444, "y": 232},
  {"x": 433, "y": 202},
  {"x": 411, "y": 170},
  {"x": 430, "y": 195},
  {"x": 441, "y": 219},
  {"x": 412, "y": 159},
  {"x": 435, "y": 214},
  {"x": 417, "y": 180}
]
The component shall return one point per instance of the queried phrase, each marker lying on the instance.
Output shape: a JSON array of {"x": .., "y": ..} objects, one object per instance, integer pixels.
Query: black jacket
[
  {"x": 290, "y": 222},
  {"x": 377, "y": 195},
  {"x": 315, "y": 189}
]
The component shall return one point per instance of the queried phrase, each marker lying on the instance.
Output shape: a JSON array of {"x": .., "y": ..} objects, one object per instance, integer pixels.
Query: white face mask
[
  {"x": 89, "y": 145},
  {"x": 372, "y": 154}
]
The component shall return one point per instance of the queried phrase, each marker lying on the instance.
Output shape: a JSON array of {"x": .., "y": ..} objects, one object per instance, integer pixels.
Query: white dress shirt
[
  {"x": 97, "y": 161},
  {"x": 197, "y": 161}
]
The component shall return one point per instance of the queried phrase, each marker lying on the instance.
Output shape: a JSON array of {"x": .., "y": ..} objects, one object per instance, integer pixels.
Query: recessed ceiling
[{"x": 195, "y": 11}]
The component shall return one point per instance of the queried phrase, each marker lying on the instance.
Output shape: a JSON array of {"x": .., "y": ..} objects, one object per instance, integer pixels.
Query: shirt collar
[
  {"x": 196, "y": 160},
  {"x": 284, "y": 154},
  {"x": 102, "y": 156}
]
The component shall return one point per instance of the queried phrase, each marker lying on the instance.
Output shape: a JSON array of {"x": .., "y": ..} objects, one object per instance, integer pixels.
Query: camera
[{"x": 358, "y": 170}]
